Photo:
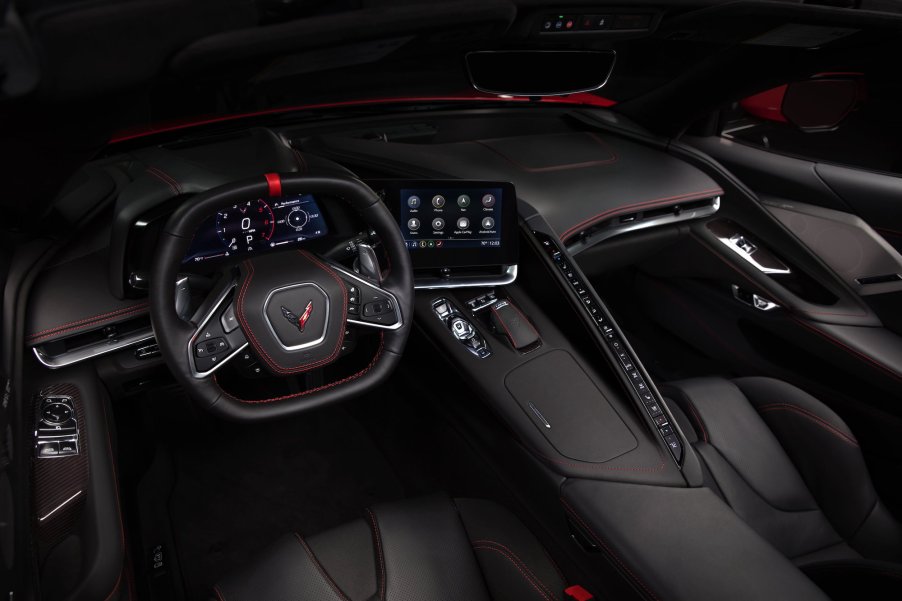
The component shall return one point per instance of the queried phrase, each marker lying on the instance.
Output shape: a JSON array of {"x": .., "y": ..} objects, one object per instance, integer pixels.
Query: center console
[{"x": 604, "y": 455}]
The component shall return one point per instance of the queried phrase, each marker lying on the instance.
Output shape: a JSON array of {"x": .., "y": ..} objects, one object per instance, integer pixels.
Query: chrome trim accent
[
  {"x": 296, "y": 347},
  {"x": 357, "y": 322},
  {"x": 758, "y": 302},
  {"x": 58, "y": 507},
  {"x": 219, "y": 300},
  {"x": 734, "y": 243},
  {"x": 508, "y": 277},
  {"x": 539, "y": 415},
  {"x": 640, "y": 224},
  {"x": 92, "y": 350}
]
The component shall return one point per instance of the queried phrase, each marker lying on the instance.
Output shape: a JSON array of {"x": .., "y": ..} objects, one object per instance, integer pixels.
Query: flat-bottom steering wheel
[{"x": 291, "y": 308}]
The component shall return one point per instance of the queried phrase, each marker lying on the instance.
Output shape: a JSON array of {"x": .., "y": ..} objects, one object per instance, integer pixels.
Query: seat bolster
[
  {"x": 286, "y": 570},
  {"x": 821, "y": 446},
  {"x": 424, "y": 553},
  {"x": 514, "y": 563}
]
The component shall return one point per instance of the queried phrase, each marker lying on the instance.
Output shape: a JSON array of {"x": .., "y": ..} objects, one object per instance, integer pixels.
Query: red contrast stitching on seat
[
  {"x": 218, "y": 592},
  {"x": 645, "y": 204},
  {"x": 318, "y": 388},
  {"x": 377, "y": 536},
  {"x": 526, "y": 577},
  {"x": 698, "y": 419},
  {"x": 166, "y": 179},
  {"x": 513, "y": 557},
  {"x": 811, "y": 416},
  {"x": 849, "y": 349},
  {"x": 88, "y": 321},
  {"x": 270, "y": 361},
  {"x": 319, "y": 568},
  {"x": 610, "y": 551}
]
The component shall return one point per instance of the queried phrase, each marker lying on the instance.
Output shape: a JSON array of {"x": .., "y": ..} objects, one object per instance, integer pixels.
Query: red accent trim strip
[
  {"x": 275, "y": 184},
  {"x": 582, "y": 99}
]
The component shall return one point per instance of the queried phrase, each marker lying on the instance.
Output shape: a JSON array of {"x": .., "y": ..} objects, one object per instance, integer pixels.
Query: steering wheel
[{"x": 291, "y": 308}]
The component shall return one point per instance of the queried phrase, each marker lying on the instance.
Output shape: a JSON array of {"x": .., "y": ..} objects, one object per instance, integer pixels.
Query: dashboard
[
  {"x": 453, "y": 229},
  {"x": 257, "y": 224}
]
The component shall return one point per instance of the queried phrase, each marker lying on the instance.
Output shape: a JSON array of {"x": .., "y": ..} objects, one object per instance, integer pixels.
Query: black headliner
[{"x": 110, "y": 64}]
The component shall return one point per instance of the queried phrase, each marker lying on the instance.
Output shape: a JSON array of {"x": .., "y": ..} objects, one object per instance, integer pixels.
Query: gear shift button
[{"x": 462, "y": 329}]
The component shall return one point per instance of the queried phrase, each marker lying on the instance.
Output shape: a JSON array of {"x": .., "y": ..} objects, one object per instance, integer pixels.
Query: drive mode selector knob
[
  {"x": 462, "y": 329},
  {"x": 54, "y": 414}
]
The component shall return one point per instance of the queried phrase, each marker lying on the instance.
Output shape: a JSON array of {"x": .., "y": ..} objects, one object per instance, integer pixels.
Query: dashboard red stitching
[
  {"x": 645, "y": 204},
  {"x": 88, "y": 321},
  {"x": 166, "y": 179},
  {"x": 270, "y": 361},
  {"x": 317, "y": 389}
]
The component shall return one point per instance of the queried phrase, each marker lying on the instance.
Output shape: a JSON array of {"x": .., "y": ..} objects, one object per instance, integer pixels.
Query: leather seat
[
  {"x": 427, "y": 549},
  {"x": 794, "y": 471}
]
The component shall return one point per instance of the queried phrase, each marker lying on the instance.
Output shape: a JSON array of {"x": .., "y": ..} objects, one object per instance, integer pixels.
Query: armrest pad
[{"x": 682, "y": 544}]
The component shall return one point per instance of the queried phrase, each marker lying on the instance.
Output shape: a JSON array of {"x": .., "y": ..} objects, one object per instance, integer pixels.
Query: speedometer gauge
[{"x": 246, "y": 225}]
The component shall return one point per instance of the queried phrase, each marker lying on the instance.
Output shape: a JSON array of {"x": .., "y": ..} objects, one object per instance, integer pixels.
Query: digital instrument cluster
[{"x": 257, "y": 225}]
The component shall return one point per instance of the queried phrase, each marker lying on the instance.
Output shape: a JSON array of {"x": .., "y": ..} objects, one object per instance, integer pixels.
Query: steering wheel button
[
  {"x": 378, "y": 307},
  {"x": 228, "y": 319},
  {"x": 353, "y": 310},
  {"x": 205, "y": 364}
]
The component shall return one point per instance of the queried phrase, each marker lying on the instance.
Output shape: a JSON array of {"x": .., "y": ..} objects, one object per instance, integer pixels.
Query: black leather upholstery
[
  {"x": 791, "y": 468},
  {"x": 433, "y": 548}
]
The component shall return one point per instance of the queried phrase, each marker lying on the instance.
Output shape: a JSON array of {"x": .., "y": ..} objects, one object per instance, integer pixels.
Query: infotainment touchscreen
[{"x": 455, "y": 223}]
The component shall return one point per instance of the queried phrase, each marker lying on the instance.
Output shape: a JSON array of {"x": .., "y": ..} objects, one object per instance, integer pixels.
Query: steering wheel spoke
[
  {"x": 369, "y": 305},
  {"x": 218, "y": 337}
]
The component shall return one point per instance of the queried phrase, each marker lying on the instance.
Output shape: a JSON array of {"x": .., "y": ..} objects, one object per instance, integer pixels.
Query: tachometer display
[
  {"x": 246, "y": 225},
  {"x": 255, "y": 225}
]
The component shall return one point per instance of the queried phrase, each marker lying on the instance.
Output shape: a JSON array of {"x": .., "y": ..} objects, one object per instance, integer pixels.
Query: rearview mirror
[{"x": 539, "y": 72}]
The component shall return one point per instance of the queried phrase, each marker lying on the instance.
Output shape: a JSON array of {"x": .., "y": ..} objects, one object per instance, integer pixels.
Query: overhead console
[{"x": 459, "y": 233}]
